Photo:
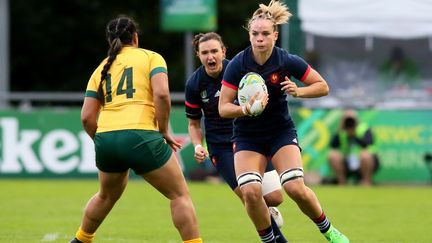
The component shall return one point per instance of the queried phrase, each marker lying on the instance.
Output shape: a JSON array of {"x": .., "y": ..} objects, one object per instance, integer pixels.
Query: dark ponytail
[{"x": 119, "y": 32}]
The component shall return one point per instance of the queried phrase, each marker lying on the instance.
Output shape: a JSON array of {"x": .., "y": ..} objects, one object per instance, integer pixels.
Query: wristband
[{"x": 198, "y": 146}]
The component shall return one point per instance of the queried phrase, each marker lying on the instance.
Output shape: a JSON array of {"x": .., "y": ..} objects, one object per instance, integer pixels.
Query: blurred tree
[{"x": 55, "y": 45}]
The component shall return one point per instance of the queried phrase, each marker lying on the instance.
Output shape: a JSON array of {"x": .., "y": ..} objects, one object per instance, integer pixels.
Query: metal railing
[
  {"x": 29, "y": 98},
  {"x": 414, "y": 101}
]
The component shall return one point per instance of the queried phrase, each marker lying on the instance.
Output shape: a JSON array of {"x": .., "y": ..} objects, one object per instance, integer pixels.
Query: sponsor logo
[{"x": 31, "y": 151}]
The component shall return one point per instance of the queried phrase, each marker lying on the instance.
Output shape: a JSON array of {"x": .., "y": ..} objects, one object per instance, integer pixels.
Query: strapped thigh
[
  {"x": 291, "y": 174},
  {"x": 249, "y": 177}
]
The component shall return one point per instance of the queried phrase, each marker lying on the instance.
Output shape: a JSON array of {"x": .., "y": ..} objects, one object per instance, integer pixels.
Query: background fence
[{"x": 50, "y": 143}]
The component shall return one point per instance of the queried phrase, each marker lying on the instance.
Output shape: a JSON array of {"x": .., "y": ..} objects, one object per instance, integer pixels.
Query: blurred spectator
[
  {"x": 352, "y": 152},
  {"x": 399, "y": 72}
]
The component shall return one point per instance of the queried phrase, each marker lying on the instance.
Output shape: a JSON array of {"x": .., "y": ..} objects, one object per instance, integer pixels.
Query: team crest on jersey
[
  {"x": 274, "y": 78},
  {"x": 204, "y": 97}
]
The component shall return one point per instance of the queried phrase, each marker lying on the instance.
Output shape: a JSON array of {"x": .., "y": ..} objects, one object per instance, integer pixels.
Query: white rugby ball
[{"x": 249, "y": 85}]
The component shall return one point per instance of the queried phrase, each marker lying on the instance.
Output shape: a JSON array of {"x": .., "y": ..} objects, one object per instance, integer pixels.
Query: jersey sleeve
[
  {"x": 157, "y": 64},
  {"x": 93, "y": 84},
  {"x": 232, "y": 75},
  {"x": 192, "y": 99},
  {"x": 298, "y": 66}
]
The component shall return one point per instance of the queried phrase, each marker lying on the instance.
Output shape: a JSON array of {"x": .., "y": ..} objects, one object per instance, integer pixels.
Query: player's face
[
  {"x": 262, "y": 35},
  {"x": 211, "y": 55}
]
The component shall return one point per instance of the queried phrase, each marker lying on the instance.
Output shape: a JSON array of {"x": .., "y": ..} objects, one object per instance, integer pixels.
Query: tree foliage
[{"x": 56, "y": 45}]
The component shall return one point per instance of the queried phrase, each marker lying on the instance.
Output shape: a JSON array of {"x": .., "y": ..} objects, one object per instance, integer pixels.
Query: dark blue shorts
[
  {"x": 222, "y": 158},
  {"x": 267, "y": 145}
]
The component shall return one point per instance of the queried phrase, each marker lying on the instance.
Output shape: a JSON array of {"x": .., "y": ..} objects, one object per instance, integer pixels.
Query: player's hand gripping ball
[{"x": 250, "y": 85}]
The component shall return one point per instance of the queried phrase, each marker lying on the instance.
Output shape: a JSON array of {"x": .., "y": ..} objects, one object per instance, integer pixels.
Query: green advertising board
[
  {"x": 44, "y": 143},
  {"x": 52, "y": 143},
  {"x": 402, "y": 138},
  {"x": 188, "y": 15}
]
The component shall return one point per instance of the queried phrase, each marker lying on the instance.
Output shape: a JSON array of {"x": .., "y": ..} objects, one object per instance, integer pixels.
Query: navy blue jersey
[
  {"x": 202, "y": 96},
  {"x": 275, "y": 117}
]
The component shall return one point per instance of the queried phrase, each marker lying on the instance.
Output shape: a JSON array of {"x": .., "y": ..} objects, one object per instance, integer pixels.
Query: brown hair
[{"x": 202, "y": 37}]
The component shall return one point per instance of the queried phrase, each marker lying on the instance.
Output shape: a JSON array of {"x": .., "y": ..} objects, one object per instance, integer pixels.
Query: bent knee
[
  {"x": 296, "y": 190},
  {"x": 274, "y": 198},
  {"x": 251, "y": 193},
  {"x": 335, "y": 157},
  {"x": 109, "y": 197}
]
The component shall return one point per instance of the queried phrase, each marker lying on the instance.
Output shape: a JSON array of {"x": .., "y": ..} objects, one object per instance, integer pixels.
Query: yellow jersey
[{"x": 127, "y": 90}]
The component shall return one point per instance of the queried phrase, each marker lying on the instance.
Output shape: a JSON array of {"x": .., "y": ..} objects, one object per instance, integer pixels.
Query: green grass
[{"x": 51, "y": 210}]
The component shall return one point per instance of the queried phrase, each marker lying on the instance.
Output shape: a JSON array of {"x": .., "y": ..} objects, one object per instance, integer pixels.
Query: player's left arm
[{"x": 315, "y": 85}]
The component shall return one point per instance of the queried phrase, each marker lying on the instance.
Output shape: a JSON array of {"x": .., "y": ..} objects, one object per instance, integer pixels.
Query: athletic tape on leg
[
  {"x": 291, "y": 174},
  {"x": 249, "y": 177},
  {"x": 270, "y": 182}
]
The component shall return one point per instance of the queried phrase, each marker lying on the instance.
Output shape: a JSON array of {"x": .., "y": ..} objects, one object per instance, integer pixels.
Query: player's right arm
[
  {"x": 229, "y": 89},
  {"x": 194, "y": 113},
  {"x": 89, "y": 113},
  {"x": 92, "y": 104},
  {"x": 196, "y": 136},
  {"x": 227, "y": 108}
]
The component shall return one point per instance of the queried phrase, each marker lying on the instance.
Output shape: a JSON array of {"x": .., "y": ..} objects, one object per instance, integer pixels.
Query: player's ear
[
  {"x": 135, "y": 39},
  {"x": 224, "y": 52}
]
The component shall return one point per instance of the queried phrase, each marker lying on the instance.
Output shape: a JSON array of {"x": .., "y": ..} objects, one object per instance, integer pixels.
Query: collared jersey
[
  {"x": 127, "y": 90},
  {"x": 202, "y": 96},
  {"x": 275, "y": 116}
]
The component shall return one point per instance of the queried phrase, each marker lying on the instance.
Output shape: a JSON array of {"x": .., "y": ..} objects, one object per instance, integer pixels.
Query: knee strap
[
  {"x": 249, "y": 177},
  {"x": 291, "y": 174}
]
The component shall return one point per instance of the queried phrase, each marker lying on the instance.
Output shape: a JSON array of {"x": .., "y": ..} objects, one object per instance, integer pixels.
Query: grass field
[{"x": 51, "y": 210}]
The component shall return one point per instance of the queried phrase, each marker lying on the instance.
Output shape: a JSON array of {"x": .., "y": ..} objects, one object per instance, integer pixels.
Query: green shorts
[{"x": 139, "y": 150}]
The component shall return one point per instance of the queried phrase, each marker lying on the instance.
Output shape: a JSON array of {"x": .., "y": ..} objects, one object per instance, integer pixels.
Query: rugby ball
[{"x": 249, "y": 85}]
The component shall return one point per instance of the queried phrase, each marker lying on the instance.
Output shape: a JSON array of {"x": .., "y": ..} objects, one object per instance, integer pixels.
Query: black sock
[{"x": 276, "y": 231}]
